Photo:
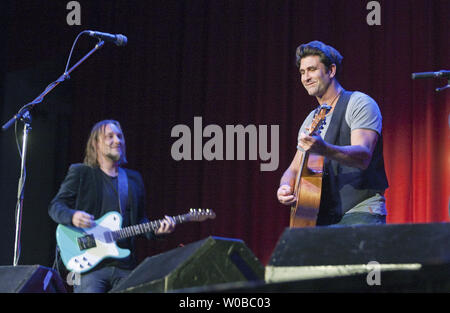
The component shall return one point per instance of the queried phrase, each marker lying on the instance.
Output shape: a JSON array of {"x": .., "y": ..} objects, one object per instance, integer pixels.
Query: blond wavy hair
[{"x": 90, "y": 157}]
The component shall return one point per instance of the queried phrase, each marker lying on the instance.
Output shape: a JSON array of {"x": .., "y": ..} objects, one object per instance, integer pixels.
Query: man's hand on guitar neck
[
  {"x": 285, "y": 195},
  {"x": 313, "y": 144},
  {"x": 167, "y": 226}
]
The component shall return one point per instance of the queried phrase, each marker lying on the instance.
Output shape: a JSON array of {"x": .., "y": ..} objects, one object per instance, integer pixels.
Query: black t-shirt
[{"x": 110, "y": 202}]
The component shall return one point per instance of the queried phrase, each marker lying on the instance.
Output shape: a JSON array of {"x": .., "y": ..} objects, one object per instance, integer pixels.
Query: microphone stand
[
  {"x": 445, "y": 87},
  {"x": 439, "y": 74},
  {"x": 24, "y": 115}
]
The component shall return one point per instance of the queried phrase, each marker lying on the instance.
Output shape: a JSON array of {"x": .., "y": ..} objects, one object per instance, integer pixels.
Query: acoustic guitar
[{"x": 308, "y": 183}]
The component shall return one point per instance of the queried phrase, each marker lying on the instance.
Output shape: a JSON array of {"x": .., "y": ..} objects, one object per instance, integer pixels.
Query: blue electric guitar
[{"x": 82, "y": 249}]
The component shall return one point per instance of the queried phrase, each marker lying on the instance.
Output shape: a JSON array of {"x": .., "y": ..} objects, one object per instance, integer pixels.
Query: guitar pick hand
[
  {"x": 82, "y": 219},
  {"x": 285, "y": 195},
  {"x": 312, "y": 144}
]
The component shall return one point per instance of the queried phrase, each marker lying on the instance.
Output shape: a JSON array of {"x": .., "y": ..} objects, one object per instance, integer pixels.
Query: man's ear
[{"x": 332, "y": 70}]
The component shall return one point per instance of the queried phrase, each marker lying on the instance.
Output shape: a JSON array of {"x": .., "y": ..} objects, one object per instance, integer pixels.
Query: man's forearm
[
  {"x": 288, "y": 178},
  {"x": 61, "y": 213},
  {"x": 353, "y": 156}
]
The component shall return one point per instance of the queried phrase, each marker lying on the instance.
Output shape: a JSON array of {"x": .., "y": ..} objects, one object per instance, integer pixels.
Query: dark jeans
[
  {"x": 361, "y": 218},
  {"x": 101, "y": 280}
]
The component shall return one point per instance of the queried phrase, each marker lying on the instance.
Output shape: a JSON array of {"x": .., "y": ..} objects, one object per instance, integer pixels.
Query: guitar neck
[{"x": 140, "y": 229}]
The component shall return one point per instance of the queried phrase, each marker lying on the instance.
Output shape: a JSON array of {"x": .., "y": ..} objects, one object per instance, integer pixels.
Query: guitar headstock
[
  {"x": 319, "y": 119},
  {"x": 200, "y": 215}
]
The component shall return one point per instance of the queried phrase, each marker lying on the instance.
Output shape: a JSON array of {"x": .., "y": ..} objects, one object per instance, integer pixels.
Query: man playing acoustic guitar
[
  {"x": 96, "y": 187},
  {"x": 352, "y": 174}
]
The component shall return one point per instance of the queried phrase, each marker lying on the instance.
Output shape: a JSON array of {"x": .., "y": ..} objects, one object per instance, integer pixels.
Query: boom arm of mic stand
[
  {"x": 445, "y": 87},
  {"x": 47, "y": 90}
]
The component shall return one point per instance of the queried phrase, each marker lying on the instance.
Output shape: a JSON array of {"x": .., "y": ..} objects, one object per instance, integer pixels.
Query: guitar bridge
[{"x": 86, "y": 242}]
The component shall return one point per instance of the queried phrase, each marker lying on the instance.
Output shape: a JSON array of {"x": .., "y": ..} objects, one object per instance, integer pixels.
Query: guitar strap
[{"x": 123, "y": 190}]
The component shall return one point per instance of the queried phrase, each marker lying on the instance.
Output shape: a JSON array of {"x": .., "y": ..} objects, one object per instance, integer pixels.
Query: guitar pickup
[{"x": 86, "y": 242}]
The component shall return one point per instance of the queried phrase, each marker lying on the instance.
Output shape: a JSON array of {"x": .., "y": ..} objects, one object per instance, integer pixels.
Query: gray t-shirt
[{"x": 362, "y": 113}]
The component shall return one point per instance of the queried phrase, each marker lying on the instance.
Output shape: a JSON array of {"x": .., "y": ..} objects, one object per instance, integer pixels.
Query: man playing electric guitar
[
  {"x": 96, "y": 187},
  {"x": 354, "y": 178}
]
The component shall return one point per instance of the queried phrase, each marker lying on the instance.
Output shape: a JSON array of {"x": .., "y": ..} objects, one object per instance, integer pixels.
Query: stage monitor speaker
[
  {"x": 213, "y": 260},
  {"x": 429, "y": 279},
  {"x": 309, "y": 253},
  {"x": 30, "y": 279}
]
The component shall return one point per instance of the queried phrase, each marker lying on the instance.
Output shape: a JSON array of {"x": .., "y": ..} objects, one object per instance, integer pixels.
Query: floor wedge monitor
[
  {"x": 319, "y": 252},
  {"x": 213, "y": 260},
  {"x": 30, "y": 279}
]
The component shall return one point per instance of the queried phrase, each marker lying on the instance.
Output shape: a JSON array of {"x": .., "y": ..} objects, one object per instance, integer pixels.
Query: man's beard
[{"x": 114, "y": 156}]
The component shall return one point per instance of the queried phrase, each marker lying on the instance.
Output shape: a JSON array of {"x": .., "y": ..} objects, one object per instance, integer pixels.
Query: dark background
[{"x": 229, "y": 62}]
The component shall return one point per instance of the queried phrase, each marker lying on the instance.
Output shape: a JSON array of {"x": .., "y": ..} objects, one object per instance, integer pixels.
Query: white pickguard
[{"x": 93, "y": 256}]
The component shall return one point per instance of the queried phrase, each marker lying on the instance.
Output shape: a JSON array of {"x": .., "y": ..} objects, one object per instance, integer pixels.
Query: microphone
[
  {"x": 119, "y": 40},
  {"x": 440, "y": 74}
]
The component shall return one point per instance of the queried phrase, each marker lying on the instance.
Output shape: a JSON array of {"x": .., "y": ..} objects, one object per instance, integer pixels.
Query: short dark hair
[{"x": 328, "y": 55}]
